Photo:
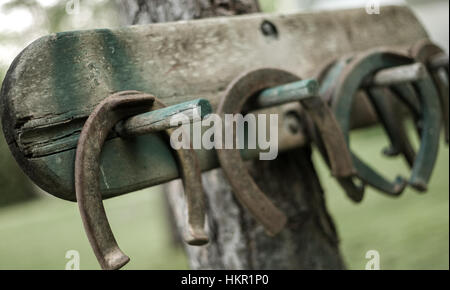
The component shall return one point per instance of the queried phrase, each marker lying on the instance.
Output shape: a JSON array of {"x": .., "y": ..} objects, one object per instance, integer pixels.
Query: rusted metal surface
[
  {"x": 247, "y": 192},
  {"x": 399, "y": 74},
  {"x": 87, "y": 168}
]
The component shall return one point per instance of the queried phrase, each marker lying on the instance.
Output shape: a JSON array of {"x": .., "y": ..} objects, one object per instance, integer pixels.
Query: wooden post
[{"x": 309, "y": 240}]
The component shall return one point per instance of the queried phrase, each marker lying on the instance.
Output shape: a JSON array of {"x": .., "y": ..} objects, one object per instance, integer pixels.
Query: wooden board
[{"x": 54, "y": 84}]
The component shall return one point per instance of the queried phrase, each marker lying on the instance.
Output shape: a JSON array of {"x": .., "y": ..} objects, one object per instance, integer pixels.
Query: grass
[
  {"x": 37, "y": 234},
  {"x": 409, "y": 232}
]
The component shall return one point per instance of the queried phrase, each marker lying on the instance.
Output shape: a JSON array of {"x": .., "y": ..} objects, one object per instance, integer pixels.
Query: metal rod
[
  {"x": 159, "y": 120},
  {"x": 287, "y": 93},
  {"x": 400, "y": 74}
]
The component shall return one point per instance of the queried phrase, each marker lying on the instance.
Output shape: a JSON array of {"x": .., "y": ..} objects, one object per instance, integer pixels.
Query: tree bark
[
  {"x": 153, "y": 11},
  {"x": 309, "y": 240}
]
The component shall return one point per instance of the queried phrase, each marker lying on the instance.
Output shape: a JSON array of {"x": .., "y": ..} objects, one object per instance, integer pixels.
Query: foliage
[{"x": 51, "y": 18}]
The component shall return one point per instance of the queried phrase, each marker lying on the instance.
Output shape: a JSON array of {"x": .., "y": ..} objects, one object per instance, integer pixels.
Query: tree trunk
[{"x": 309, "y": 240}]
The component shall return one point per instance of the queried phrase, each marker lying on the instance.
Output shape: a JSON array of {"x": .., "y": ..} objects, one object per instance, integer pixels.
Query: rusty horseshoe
[
  {"x": 244, "y": 187},
  {"x": 87, "y": 167}
]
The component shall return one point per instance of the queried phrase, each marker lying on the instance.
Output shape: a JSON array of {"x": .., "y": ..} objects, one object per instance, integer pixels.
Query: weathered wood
[{"x": 54, "y": 84}]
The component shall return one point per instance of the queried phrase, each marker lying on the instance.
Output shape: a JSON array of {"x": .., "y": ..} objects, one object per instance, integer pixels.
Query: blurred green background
[{"x": 36, "y": 229}]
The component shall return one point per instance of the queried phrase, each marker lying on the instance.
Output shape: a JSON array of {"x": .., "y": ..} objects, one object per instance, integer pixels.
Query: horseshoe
[
  {"x": 351, "y": 79},
  {"x": 327, "y": 77},
  {"x": 381, "y": 99},
  {"x": 87, "y": 166},
  {"x": 244, "y": 187},
  {"x": 424, "y": 51}
]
